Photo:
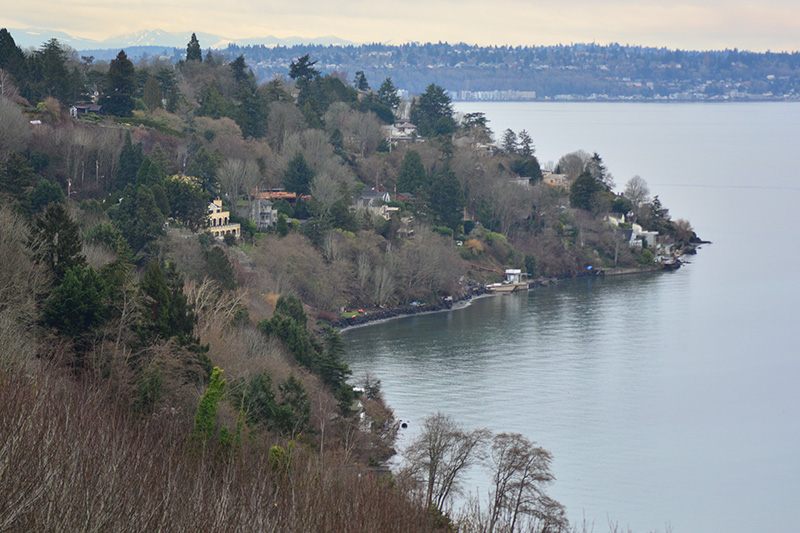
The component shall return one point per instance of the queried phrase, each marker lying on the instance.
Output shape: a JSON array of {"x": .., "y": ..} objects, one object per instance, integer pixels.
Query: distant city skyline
[{"x": 695, "y": 24}]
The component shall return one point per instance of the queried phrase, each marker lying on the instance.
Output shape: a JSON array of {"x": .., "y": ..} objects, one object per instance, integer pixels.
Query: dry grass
[{"x": 72, "y": 461}]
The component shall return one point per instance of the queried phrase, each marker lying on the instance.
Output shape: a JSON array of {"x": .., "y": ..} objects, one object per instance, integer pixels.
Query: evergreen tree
[
  {"x": 130, "y": 159},
  {"x": 193, "y": 51},
  {"x": 432, "y": 112},
  {"x": 298, "y": 175},
  {"x": 138, "y": 217},
  {"x": 582, "y": 193},
  {"x": 44, "y": 194},
  {"x": 188, "y": 203},
  {"x": 218, "y": 268},
  {"x": 447, "y": 198},
  {"x": 12, "y": 60},
  {"x": 78, "y": 305},
  {"x": 60, "y": 238},
  {"x": 120, "y": 86},
  {"x": 360, "y": 81},
  {"x": 152, "y": 94},
  {"x": 282, "y": 227},
  {"x": 526, "y": 148},
  {"x": 387, "y": 94},
  {"x": 509, "y": 144},
  {"x": 203, "y": 166},
  {"x": 412, "y": 177}
]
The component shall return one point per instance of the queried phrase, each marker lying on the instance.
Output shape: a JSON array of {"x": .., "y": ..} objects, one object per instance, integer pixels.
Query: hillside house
[
  {"x": 219, "y": 224},
  {"x": 263, "y": 213}
]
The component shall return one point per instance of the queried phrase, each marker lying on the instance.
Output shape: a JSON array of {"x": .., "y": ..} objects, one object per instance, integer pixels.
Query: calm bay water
[{"x": 665, "y": 399}]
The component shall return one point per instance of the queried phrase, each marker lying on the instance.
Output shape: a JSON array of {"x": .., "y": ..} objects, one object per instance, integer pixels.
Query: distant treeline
[{"x": 578, "y": 71}]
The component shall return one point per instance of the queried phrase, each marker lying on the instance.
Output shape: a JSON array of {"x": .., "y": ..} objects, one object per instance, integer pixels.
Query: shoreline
[{"x": 380, "y": 316}]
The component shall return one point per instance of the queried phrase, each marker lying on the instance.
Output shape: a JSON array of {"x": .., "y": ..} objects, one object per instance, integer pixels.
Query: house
[
  {"x": 372, "y": 197},
  {"x": 642, "y": 236},
  {"x": 219, "y": 224},
  {"x": 84, "y": 108},
  {"x": 263, "y": 213},
  {"x": 556, "y": 181},
  {"x": 402, "y": 131},
  {"x": 614, "y": 219}
]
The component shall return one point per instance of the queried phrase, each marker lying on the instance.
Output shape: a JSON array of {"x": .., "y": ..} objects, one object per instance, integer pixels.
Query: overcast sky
[{"x": 756, "y": 25}]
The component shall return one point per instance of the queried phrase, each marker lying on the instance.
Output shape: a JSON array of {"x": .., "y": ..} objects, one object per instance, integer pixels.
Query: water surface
[{"x": 665, "y": 399}]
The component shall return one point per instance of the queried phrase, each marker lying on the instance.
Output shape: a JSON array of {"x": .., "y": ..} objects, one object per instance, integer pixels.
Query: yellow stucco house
[{"x": 219, "y": 221}]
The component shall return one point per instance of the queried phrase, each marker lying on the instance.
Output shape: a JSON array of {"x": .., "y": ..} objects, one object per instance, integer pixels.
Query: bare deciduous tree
[
  {"x": 440, "y": 456},
  {"x": 637, "y": 191},
  {"x": 520, "y": 470},
  {"x": 14, "y": 128}
]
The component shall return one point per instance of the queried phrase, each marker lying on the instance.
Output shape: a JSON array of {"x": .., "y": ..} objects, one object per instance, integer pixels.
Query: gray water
[{"x": 666, "y": 399}]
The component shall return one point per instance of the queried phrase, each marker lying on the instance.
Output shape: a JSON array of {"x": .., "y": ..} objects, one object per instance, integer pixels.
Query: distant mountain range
[{"x": 160, "y": 39}]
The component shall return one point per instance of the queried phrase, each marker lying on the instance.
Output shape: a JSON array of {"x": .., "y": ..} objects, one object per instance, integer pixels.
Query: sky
[{"x": 756, "y": 25}]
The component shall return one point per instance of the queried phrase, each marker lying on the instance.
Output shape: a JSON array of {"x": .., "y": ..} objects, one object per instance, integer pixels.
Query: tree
[
  {"x": 360, "y": 81},
  {"x": 138, "y": 217},
  {"x": 387, "y": 95},
  {"x": 526, "y": 148},
  {"x": 12, "y": 59},
  {"x": 130, "y": 159},
  {"x": 60, "y": 239},
  {"x": 298, "y": 175},
  {"x": 207, "y": 408},
  {"x": 204, "y": 165},
  {"x": 152, "y": 94},
  {"x": 447, "y": 198},
  {"x": 599, "y": 172},
  {"x": 583, "y": 190},
  {"x": 509, "y": 143},
  {"x": 14, "y": 128},
  {"x": 78, "y": 305},
  {"x": 303, "y": 69},
  {"x": 193, "y": 51},
  {"x": 166, "y": 312},
  {"x": 187, "y": 202},
  {"x": 412, "y": 176},
  {"x": 441, "y": 455},
  {"x": 637, "y": 191},
  {"x": 432, "y": 112},
  {"x": 120, "y": 86},
  {"x": 520, "y": 470}
]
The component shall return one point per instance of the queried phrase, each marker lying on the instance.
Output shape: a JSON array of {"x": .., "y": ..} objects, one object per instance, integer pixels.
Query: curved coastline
[{"x": 475, "y": 292}]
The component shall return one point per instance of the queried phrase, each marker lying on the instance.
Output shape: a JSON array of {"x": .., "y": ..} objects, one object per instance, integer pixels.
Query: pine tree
[
  {"x": 447, "y": 198},
  {"x": 120, "y": 86},
  {"x": 60, "y": 238},
  {"x": 193, "y": 51},
  {"x": 412, "y": 176},
  {"x": 298, "y": 175}
]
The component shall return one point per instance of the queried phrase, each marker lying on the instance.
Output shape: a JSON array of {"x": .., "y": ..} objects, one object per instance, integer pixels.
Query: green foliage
[
  {"x": 207, "y": 408},
  {"x": 148, "y": 391},
  {"x": 107, "y": 234},
  {"x": 447, "y": 198},
  {"x": 282, "y": 227},
  {"x": 213, "y": 104},
  {"x": 443, "y": 230},
  {"x": 530, "y": 265},
  {"x": 166, "y": 312},
  {"x": 130, "y": 159},
  {"x": 387, "y": 95},
  {"x": 219, "y": 268},
  {"x": 152, "y": 94},
  {"x": 203, "y": 166},
  {"x": 646, "y": 257},
  {"x": 412, "y": 176},
  {"x": 298, "y": 175},
  {"x": 46, "y": 193},
  {"x": 78, "y": 304},
  {"x": 432, "y": 112},
  {"x": 360, "y": 81},
  {"x": 138, "y": 217},
  {"x": 120, "y": 87},
  {"x": 60, "y": 239},
  {"x": 582, "y": 193},
  {"x": 188, "y": 203},
  {"x": 193, "y": 51}
]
